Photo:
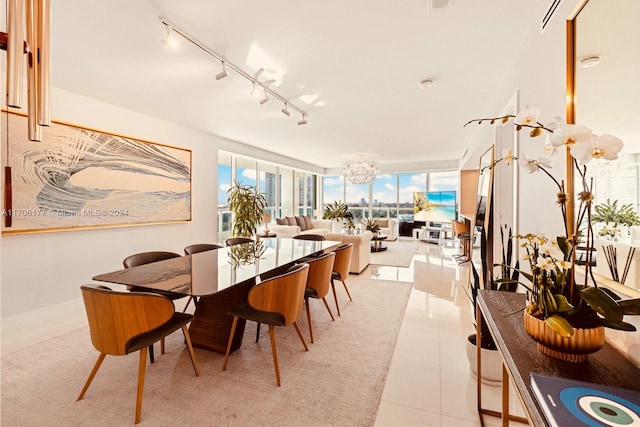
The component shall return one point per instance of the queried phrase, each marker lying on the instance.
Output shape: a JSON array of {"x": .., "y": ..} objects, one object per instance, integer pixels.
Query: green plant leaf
[
  {"x": 630, "y": 306},
  {"x": 562, "y": 303},
  {"x": 560, "y": 325},
  {"x": 602, "y": 304},
  {"x": 621, "y": 326}
]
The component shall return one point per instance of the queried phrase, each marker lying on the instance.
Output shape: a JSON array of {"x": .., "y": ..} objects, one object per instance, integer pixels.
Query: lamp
[
  {"x": 221, "y": 75},
  {"x": 264, "y": 85},
  {"x": 285, "y": 111},
  {"x": 266, "y": 217},
  {"x": 360, "y": 170}
]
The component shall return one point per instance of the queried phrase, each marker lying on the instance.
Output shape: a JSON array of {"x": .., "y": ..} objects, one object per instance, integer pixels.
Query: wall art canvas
[{"x": 80, "y": 178}]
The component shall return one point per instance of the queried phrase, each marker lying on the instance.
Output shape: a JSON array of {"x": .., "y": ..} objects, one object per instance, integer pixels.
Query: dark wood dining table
[{"x": 219, "y": 279}]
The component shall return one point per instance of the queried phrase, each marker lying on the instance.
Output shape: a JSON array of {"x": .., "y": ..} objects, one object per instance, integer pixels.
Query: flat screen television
[{"x": 435, "y": 206}]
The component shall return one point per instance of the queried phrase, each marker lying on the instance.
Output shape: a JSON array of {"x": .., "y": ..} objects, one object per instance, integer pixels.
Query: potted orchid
[{"x": 558, "y": 303}]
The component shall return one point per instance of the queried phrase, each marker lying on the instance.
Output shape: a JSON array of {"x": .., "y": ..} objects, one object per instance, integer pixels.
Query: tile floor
[{"x": 429, "y": 382}]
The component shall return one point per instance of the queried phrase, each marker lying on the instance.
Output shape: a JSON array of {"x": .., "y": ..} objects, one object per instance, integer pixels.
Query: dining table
[{"x": 219, "y": 279}]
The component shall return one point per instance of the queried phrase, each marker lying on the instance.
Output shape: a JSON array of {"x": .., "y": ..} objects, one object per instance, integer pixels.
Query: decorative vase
[
  {"x": 572, "y": 349},
  {"x": 491, "y": 362}
]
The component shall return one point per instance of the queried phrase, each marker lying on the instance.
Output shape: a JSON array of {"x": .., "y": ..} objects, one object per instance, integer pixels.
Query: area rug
[
  {"x": 398, "y": 254},
  {"x": 338, "y": 382}
]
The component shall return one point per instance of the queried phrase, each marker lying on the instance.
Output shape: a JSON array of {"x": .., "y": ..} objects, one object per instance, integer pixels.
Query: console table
[{"x": 520, "y": 357}]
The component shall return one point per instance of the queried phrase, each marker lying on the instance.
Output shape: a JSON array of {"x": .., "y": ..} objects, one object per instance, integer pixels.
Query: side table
[{"x": 265, "y": 236}]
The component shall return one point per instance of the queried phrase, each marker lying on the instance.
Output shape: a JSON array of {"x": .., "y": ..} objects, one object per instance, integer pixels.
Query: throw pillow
[
  {"x": 282, "y": 221},
  {"x": 382, "y": 222},
  {"x": 308, "y": 222},
  {"x": 301, "y": 223},
  {"x": 291, "y": 221}
]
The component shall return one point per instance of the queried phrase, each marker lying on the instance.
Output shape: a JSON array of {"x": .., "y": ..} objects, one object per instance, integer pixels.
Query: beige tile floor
[{"x": 429, "y": 383}]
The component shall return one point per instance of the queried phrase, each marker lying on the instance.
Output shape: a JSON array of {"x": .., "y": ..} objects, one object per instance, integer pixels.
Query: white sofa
[
  {"x": 361, "y": 248},
  {"x": 294, "y": 226},
  {"x": 389, "y": 226}
]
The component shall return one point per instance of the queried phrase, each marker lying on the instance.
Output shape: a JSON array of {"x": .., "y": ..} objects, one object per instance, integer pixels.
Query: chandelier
[{"x": 360, "y": 170}]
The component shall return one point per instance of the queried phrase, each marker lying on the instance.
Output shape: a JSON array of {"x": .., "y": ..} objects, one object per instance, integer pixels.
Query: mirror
[
  {"x": 481, "y": 244},
  {"x": 603, "y": 88}
]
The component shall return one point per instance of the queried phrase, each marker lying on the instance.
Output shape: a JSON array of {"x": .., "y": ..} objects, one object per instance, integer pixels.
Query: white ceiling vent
[
  {"x": 548, "y": 14},
  {"x": 438, "y": 4}
]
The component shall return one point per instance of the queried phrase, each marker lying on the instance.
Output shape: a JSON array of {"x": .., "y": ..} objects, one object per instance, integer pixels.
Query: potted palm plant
[
  {"x": 247, "y": 207},
  {"x": 613, "y": 218},
  {"x": 338, "y": 212},
  {"x": 371, "y": 225}
]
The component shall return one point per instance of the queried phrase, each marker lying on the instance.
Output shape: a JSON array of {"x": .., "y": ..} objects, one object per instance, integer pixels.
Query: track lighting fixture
[
  {"x": 221, "y": 75},
  {"x": 265, "y": 99},
  {"x": 259, "y": 88},
  {"x": 167, "y": 40}
]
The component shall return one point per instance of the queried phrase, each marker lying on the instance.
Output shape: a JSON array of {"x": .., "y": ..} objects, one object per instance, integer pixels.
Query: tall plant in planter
[
  {"x": 247, "y": 206},
  {"x": 338, "y": 212}
]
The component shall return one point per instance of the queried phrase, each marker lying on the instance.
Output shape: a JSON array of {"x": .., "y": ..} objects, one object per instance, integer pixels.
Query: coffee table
[{"x": 376, "y": 243}]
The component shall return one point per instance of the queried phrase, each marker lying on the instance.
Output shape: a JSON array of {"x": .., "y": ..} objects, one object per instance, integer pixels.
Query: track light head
[
  {"x": 169, "y": 39},
  {"x": 221, "y": 75},
  {"x": 285, "y": 110},
  {"x": 303, "y": 121},
  {"x": 265, "y": 99}
]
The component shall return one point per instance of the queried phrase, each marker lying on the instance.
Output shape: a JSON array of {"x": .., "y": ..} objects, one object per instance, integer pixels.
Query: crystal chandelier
[{"x": 360, "y": 170}]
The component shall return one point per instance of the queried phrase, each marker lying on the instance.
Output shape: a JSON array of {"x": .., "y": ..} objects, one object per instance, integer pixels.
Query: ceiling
[{"x": 353, "y": 66}]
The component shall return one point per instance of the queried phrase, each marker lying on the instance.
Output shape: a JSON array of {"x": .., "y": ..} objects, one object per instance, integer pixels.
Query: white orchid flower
[
  {"x": 570, "y": 134},
  {"x": 598, "y": 147},
  {"x": 565, "y": 265},
  {"x": 552, "y": 250},
  {"x": 528, "y": 116},
  {"x": 533, "y": 165},
  {"x": 507, "y": 156},
  {"x": 545, "y": 263},
  {"x": 549, "y": 148}
]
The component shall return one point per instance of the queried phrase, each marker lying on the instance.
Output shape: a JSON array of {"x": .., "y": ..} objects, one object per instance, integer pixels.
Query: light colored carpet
[
  {"x": 337, "y": 383},
  {"x": 398, "y": 254}
]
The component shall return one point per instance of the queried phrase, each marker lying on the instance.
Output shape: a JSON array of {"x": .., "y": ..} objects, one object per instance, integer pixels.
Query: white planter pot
[
  {"x": 491, "y": 363},
  {"x": 336, "y": 226}
]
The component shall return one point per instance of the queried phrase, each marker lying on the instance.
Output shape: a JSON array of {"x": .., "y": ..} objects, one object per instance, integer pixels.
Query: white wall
[
  {"x": 48, "y": 268},
  {"x": 538, "y": 74},
  {"x": 45, "y": 269}
]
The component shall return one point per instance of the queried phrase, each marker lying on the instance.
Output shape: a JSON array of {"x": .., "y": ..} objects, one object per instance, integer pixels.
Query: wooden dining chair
[
  {"x": 314, "y": 237},
  {"x": 318, "y": 283},
  {"x": 195, "y": 249},
  {"x": 121, "y": 323},
  {"x": 341, "y": 270},
  {"x": 143, "y": 258},
  {"x": 237, "y": 241},
  {"x": 200, "y": 247},
  {"x": 276, "y": 302}
]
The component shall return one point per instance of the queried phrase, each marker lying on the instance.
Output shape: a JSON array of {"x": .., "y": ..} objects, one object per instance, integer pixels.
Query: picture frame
[{"x": 81, "y": 178}]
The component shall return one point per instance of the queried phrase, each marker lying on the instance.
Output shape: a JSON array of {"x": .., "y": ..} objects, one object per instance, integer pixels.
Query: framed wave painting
[{"x": 78, "y": 178}]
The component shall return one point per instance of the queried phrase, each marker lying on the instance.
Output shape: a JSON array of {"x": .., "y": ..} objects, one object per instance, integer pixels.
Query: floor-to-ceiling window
[
  {"x": 384, "y": 197},
  {"x": 332, "y": 190},
  {"x": 269, "y": 187},
  {"x": 357, "y": 198},
  {"x": 225, "y": 181},
  {"x": 288, "y": 192},
  {"x": 388, "y": 195}
]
